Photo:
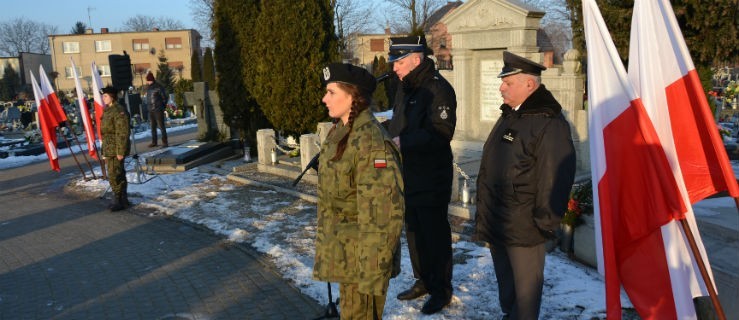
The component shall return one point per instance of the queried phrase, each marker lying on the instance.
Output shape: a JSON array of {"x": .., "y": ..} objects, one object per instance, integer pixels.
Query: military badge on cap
[
  {"x": 514, "y": 64},
  {"x": 347, "y": 73},
  {"x": 402, "y": 47}
]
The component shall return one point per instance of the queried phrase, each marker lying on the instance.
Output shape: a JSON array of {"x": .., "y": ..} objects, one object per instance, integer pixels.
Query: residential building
[
  {"x": 143, "y": 48},
  {"x": 365, "y": 47},
  {"x": 437, "y": 38},
  {"x": 24, "y": 64}
]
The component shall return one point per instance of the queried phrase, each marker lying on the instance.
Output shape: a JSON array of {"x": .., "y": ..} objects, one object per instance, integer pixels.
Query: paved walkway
[{"x": 63, "y": 257}]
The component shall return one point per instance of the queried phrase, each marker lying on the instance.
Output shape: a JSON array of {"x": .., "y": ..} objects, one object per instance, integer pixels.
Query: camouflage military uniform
[
  {"x": 360, "y": 215},
  {"x": 115, "y": 130}
]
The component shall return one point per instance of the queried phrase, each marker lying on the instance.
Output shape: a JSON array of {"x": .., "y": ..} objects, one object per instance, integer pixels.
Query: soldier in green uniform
[
  {"x": 360, "y": 197},
  {"x": 115, "y": 129}
]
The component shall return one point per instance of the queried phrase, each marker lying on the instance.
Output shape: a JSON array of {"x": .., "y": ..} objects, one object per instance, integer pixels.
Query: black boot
[
  {"x": 417, "y": 290},
  {"x": 116, "y": 205},
  {"x": 124, "y": 200}
]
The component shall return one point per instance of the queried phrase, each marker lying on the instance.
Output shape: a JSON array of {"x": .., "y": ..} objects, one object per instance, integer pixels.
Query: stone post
[
  {"x": 308, "y": 148},
  {"x": 265, "y": 143},
  {"x": 322, "y": 130}
]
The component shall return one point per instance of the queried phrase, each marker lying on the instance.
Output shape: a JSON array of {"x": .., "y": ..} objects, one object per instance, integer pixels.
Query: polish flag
[
  {"x": 47, "y": 125},
  {"x": 55, "y": 107},
  {"x": 634, "y": 190},
  {"x": 97, "y": 84},
  {"x": 84, "y": 113},
  {"x": 663, "y": 74}
]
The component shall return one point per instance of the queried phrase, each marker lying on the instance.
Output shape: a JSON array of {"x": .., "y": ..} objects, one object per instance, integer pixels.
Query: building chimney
[
  {"x": 387, "y": 30},
  {"x": 103, "y": 30},
  {"x": 88, "y": 31},
  {"x": 155, "y": 29}
]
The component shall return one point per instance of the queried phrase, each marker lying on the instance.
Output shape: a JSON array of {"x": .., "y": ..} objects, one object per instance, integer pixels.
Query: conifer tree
[
  {"x": 294, "y": 41},
  {"x": 380, "y": 97},
  {"x": 233, "y": 25},
  {"x": 10, "y": 83},
  {"x": 164, "y": 75},
  {"x": 209, "y": 69},
  {"x": 196, "y": 73}
]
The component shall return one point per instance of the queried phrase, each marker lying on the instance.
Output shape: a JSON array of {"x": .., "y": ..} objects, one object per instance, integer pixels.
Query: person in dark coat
[
  {"x": 115, "y": 129},
  {"x": 423, "y": 123},
  {"x": 525, "y": 178},
  {"x": 156, "y": 99}
]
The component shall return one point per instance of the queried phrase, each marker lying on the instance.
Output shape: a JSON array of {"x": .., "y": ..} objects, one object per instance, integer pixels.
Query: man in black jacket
[
  {"x": 423, "y": 123},
  {"x": 525, "y": 178},
  {"x": 156, "y": 99}
]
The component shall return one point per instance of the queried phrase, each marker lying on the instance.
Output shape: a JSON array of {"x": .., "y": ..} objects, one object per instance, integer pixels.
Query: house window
[
  {"x": 176, "y": 66},
  {"x": 71, "y": 47},
  {"x": 104, "y": 70},
  {"x": 141, "y": 68},
  {"x": 68, "y": 72},
  {"x": 140, "y": 44},
  {"x": 173, "y": 43},
  {"x": 102, "y": 46},
  {"x": 377, "y": 45}
]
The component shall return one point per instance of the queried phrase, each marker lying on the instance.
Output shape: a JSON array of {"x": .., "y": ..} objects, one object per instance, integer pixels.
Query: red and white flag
[
  {"x": 97, "y": 84},
  {"x": 47, "y": 125},
  {"x": 634, "y": 190},
  {"x": 55, "y": 107},
  {"x": 663, "y": 74},
  {"x": 84, "y": 113}
]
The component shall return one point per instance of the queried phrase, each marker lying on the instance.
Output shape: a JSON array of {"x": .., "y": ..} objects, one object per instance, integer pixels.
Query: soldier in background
[
  {"x": 360, "y": 197},
  {"x": 116, "y": 129}
]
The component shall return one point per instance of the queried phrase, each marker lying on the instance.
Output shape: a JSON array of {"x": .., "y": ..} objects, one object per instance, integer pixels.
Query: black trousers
[
  {"x": 430, "y": 246},
  {"x": 520, "y": 273},
  {"x": 156, "y": 118}
]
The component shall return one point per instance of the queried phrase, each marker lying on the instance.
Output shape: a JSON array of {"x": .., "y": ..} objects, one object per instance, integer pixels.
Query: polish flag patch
[{"x": 380, "y": 163}]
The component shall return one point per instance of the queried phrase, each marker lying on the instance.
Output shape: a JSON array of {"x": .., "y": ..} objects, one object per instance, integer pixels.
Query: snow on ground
[
  {"x": 283, "y": 228},
  {"x": 13, "y": 162}
]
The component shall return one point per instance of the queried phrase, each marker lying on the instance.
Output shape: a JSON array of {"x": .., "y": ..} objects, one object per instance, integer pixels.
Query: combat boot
[
  {"x": 116, "y": 205},
  {"x": 124, "y": 200}
]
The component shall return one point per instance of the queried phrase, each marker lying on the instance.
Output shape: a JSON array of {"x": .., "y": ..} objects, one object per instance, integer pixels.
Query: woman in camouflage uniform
[
  {"x": 360, "y": 197},
  {"x": 115, "y": 129}
]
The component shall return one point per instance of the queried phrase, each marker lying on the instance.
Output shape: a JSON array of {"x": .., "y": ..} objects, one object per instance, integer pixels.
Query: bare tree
[
  {"x": 410, "y": 16},
  {"x": 23, "y": 35},
  {"x": 141, "y": 23},
  {"x": 202, "y": 13},
  {"x": 556, "y": 23},
  {"x": 351, "y": 17}
]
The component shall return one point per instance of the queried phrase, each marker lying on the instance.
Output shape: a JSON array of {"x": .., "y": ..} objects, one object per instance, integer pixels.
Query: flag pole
[
  {"x": 73, "y": 155},
  {"x": 703, "y": 270},
  {"x": 79, "y": 145}
]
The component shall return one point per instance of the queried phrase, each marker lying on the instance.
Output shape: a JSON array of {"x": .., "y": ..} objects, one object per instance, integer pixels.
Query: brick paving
[{"x": 67, "y": 257}]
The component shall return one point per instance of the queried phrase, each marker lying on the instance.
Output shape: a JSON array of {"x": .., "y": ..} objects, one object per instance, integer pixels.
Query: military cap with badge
[
  {"x": 514, "y": 64},
  {"x": 110, "y": 90},
  {"x": 401, "y": 47},
  {"x": 347, "y": 73}
]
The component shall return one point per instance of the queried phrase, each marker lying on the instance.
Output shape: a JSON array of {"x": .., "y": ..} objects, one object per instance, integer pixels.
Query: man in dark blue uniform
[
  {"x": 526, "y": 174},
  {"x": 422, "y": 126}
]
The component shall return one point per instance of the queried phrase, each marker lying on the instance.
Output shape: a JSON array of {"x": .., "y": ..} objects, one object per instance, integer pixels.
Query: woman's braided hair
[{"x": 359, "y": 104}]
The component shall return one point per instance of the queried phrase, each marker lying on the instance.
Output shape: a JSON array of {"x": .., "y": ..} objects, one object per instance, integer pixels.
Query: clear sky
[{"x": 110, "y": 14}]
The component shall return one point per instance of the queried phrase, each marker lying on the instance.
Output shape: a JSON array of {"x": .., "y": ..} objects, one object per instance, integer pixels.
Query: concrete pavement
[{"x": 66, "y": 257}]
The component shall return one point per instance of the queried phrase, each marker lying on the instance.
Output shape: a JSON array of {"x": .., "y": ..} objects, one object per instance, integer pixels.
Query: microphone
[{"x": 383, "y": 76}]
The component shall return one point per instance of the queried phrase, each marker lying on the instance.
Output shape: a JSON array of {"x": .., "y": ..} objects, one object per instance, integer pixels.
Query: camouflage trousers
[
  {"x": 358, "y": 306},
  {"x": 117, "y": 175}
]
